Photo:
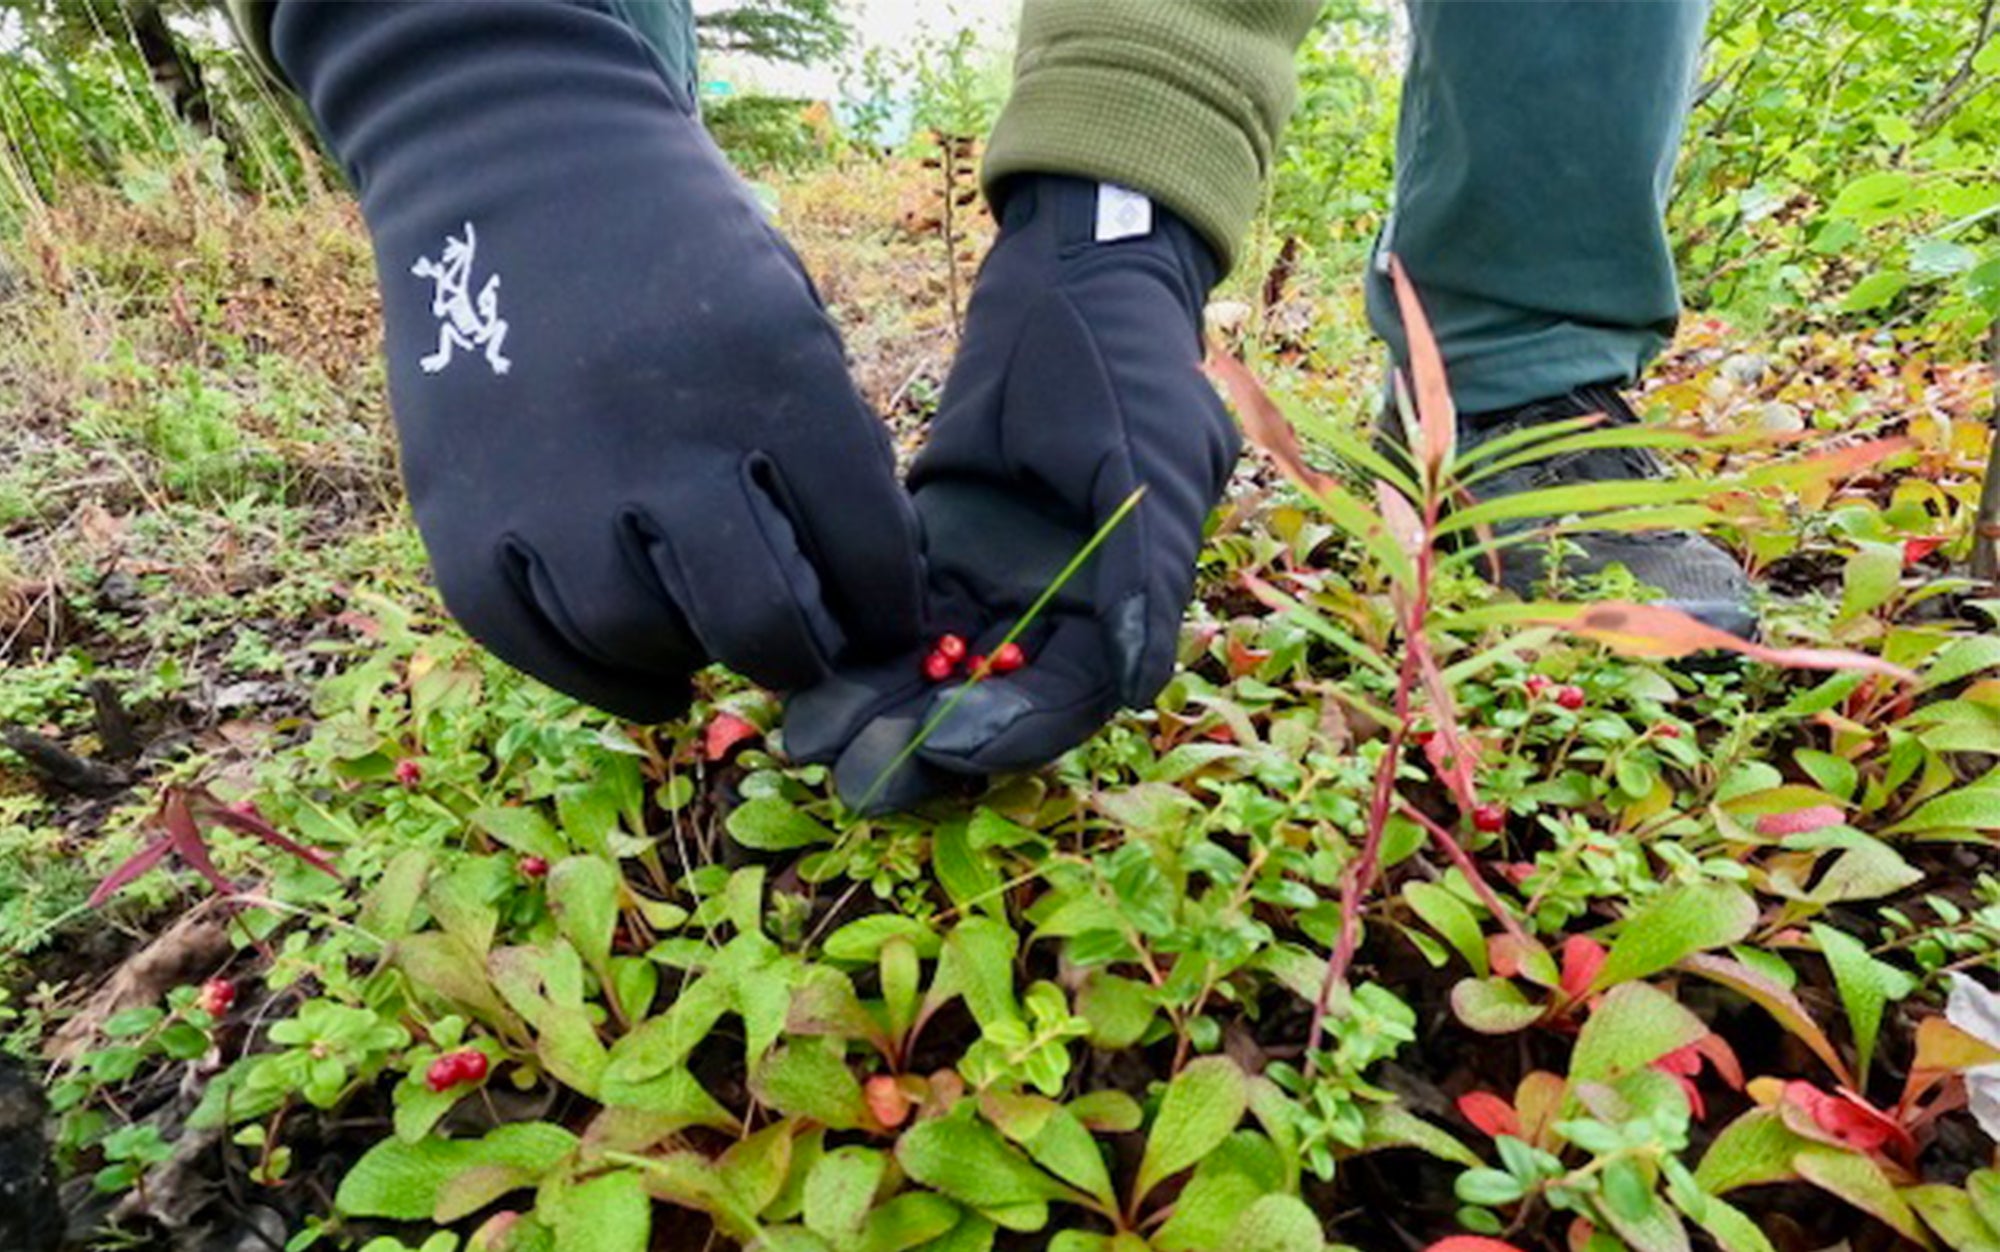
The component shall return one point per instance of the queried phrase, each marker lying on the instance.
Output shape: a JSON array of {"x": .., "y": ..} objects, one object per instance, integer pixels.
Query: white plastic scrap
[{"x": 1976, "y": 1011}]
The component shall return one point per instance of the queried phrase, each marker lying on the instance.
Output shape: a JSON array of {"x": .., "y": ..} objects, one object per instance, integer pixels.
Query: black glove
[
  {"x": 627, "y": 426},
  {"x": 1079, "y": 382}
]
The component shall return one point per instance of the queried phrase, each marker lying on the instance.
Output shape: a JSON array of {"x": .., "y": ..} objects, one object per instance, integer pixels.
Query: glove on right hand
[
  {"x": 1079, "y": 383},
  {"x": 628, "y": 431}
]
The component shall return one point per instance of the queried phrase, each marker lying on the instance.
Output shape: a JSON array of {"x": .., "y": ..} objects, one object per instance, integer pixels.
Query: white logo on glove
[{"x": 464, "y": 322}]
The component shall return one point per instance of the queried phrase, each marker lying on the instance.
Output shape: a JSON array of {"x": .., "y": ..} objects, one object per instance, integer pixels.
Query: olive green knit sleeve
[{"x": 1180, "y": 99}]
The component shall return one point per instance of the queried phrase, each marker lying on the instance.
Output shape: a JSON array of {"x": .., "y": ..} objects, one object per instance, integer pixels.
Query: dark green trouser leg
[
  {"x": 1535, "y": 152},
  {"x": 667, "y": 26}
]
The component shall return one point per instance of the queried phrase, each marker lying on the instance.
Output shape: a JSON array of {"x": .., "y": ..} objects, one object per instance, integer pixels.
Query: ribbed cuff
[{"x": 1144, "y": 133}]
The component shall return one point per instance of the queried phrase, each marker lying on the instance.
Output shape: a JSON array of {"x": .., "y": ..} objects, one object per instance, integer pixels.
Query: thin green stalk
[{"x": 1076, "y": 563}]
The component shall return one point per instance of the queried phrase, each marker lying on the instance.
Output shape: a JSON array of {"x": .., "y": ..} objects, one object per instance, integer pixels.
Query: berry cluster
[
  {"x": 951, "y": 653},
  {"x": 217, "y": 994},
  {"x": 466, "y": 1065}
]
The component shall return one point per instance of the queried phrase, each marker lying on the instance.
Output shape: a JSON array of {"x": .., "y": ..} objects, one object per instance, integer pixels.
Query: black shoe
[{"x": 1692, "y": 573}]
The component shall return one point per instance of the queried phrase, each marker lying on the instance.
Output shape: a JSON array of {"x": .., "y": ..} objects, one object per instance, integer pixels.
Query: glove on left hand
[
  {"x": 1078, "y": 383},
  {"x": 627, "y": 425}
]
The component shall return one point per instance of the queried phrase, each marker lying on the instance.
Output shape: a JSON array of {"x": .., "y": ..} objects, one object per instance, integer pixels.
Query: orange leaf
[
  {"x": 1262, "y": 423},
  {"x": 1471, "y": 1243},
  {"x": 1653, "y": 630},
  {"x": 1437, "y": 419}
]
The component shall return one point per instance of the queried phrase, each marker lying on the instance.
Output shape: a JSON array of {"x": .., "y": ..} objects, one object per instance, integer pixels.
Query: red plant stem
[
  {"x": 1470, "y": 868},
  {"x": 1359, "y": 878}
]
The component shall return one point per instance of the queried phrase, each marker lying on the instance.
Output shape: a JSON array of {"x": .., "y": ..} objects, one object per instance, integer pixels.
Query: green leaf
[
  {"x": 1730, "y": 1227},
  {"x": 809, "y": 1078},
  {"x": 1870, "y": 579},
  {"x": 583, "y": 895},
  {"x": 1866, "y": 986},
  {"x": 664, "y": 1042},
  {"x": 861, "y": 941},
  {"x": 1860, "y": 1182},
  {"x": 978, "y": 964},
  {"x": 1875, "y": 291},
  {"x": 1633, "y": 1026},
  {"x": 1493, "y": 1006},
  {"x": 671, "y": 1101},
  {"x": 610, "y": 1213},
  {"x": 1118, "y": 1009},
  {"x": 754, "y": 1170},
  {"x": 908, "y": 1220},
  {"x": 966, "y": 875},
  {"x": 401, "y": 1180},
  {"x": 1674, "y": 925},
  {"x": 1202, "y": 1106},
  {"x": 840, "y": 1191},
  {"x": 1393, "y": 1126},
  {"x": 1246, "y": 1168},
  {"x": 1976, "y": 807},
  {"x": 1754, "y": 1149},
  {"x": 774, "y": 824},
  {"x": 1488, "y": 1188},
  {"x": 967, "y": 1160},
  {"x": 524, "y": 830},
  {"x": 1451, "y": 919},
  {"x": 1652, "y": 1227},
  {"x": 1278, "y": 1223},
  {"x": 1963, "y": 657},
  {"x": 1951, "y": 1213}
]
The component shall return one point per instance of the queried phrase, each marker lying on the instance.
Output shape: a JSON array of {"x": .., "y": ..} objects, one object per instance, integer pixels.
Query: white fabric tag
[{"x": 1122, "y": 213}]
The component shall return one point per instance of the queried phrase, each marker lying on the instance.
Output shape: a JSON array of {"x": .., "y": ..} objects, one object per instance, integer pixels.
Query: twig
[
  {"x": 1986, "y": 526},
  {"x": 62, "y": 768}
]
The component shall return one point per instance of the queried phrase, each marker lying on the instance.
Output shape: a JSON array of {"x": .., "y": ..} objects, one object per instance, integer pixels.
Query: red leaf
[
  {"x": 135, "y": 865},
  {"x": 1437, "y": 419},
  {"x": 1471, "y": 1243},
  {"x": 1721, "y": 1059},
  {"x": 254, "y": 825},
  {"x": 1681, "y": 1062},
  {"x": 1582, "y": 957},
  {"x": 1492, "y": 1115},
  {"x": 1652, "y": 630},
  {"x": 1262, "y": 422},
  {"x": 725, "y": 731},
  {"x": 1800, "y": 821},
  {"x": 1915, "y": 550}
]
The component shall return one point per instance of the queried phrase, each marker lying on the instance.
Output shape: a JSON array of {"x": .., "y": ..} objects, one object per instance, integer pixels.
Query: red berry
[
  {"x": 952, "y": 648},
  {"x": 533, "y": 867},
  {"x": 976, "y": 664},
  {"x": 1570, "y": 697},
  {"x": 409, "y": 772},
  {"x": 1537, "y": 684},
  {"x": 1489, "y": 819},
  {"x": 1667, "y": 730},
  {"x": 448, "y": 1071},
  {"x": 1422, "y": 738},
  {"x": 217, "y": 994},
  {"x": 938, "y": 667},
  {"x": 1008, "y": 657}
]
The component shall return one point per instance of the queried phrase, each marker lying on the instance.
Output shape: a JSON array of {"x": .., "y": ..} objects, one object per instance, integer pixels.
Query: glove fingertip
[{"x": 875, "y": 775}]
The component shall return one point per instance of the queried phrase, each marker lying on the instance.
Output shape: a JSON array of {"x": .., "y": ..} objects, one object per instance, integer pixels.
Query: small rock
[
  {"x": 1226, "y": 317},
  {"x": 1779, "y": 417},
  {"x": 1745, "y": 369}
]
